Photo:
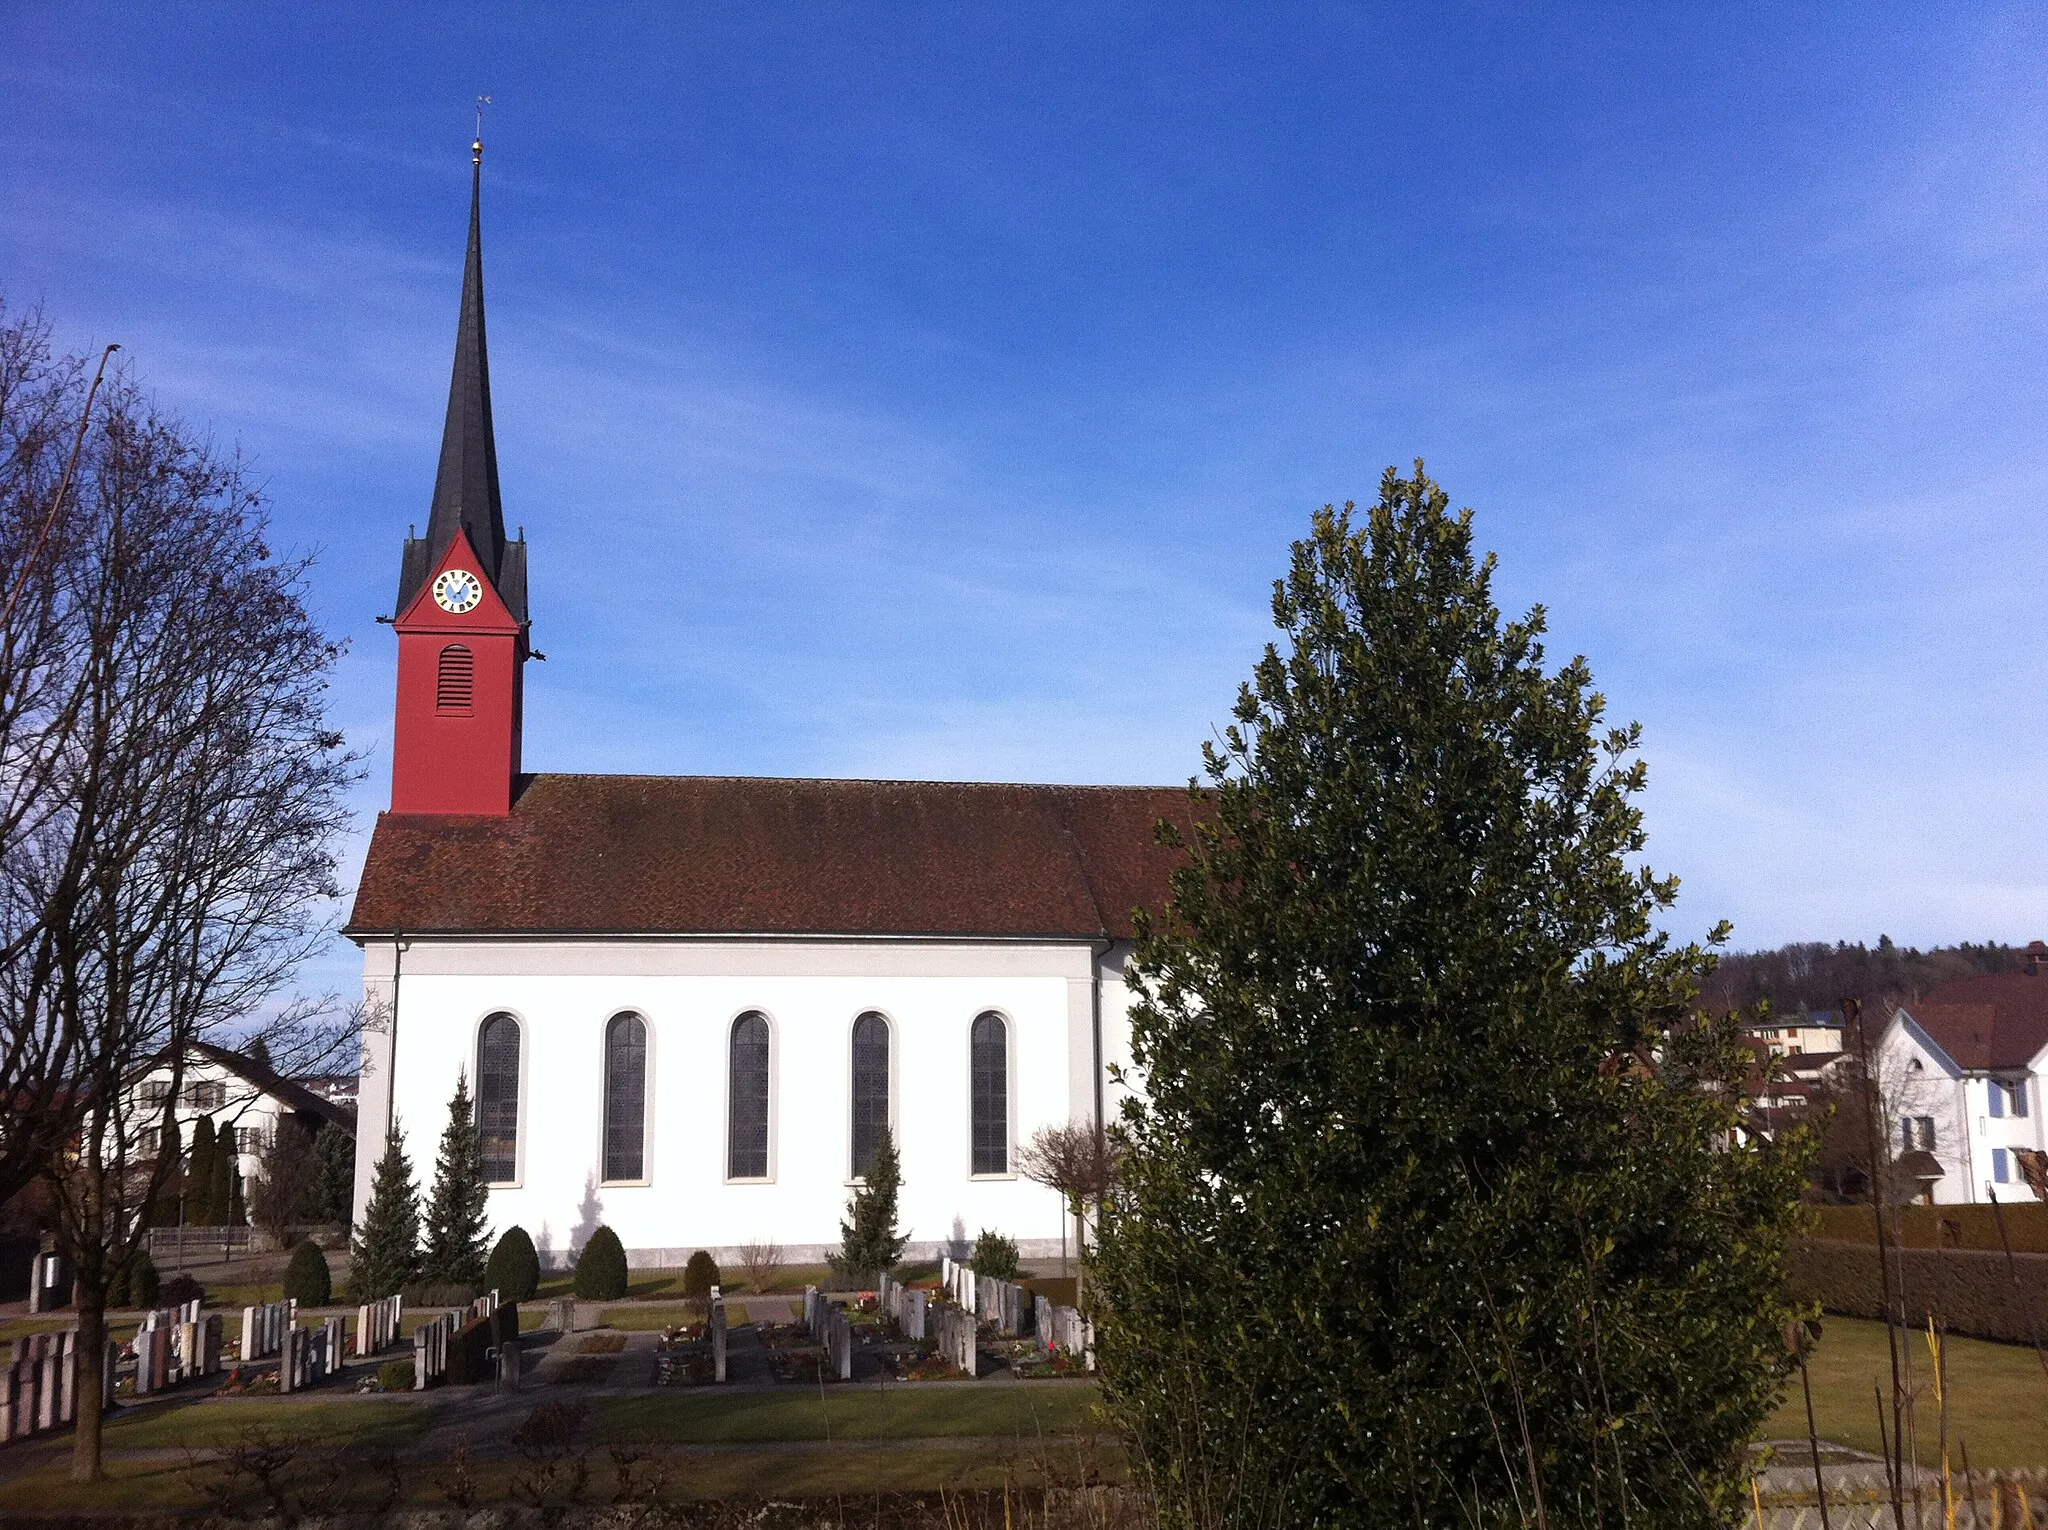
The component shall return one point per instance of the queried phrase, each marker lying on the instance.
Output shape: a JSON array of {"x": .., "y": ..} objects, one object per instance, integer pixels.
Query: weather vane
[{"x": 477, "y": 148}]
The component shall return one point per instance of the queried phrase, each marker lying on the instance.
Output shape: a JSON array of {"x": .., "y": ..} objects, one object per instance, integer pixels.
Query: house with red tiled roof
[
  {"x": 688, "y": 1006},
  {"x": 1961, "y": 1072}
]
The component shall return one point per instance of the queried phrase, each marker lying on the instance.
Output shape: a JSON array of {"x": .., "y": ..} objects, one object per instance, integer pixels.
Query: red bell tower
[{"x": 461, "y": 614}]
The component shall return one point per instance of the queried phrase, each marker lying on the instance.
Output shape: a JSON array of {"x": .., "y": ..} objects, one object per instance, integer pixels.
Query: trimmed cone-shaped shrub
[
  {"x": 601, "y": 1268},
  {"x": 514, "y": 1270},
  {"x": 995, "y": 1257},
  {"x": 306, "y": 1281},
  {"x": 700, "y": 1275}
]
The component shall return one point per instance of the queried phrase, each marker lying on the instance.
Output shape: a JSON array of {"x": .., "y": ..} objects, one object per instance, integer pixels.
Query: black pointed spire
[{"x": 466, "y": 485}]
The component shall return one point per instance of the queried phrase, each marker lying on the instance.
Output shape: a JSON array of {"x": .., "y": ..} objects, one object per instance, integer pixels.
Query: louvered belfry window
[
  {"x": 625, "y": 1098},
  {"x": 497, "y": 1097},
  {"x": 870, "y": 1087},
  {"x": 456, "y": 684},
  {"x": 989, "y": 1094}
]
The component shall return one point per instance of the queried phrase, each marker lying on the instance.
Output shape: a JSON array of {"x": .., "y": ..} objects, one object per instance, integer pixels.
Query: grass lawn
[
  {"x": 1998, "y": 1396},
  {"x": 370, "y": 1423},
  {"x": 1026, "y": 1414}
]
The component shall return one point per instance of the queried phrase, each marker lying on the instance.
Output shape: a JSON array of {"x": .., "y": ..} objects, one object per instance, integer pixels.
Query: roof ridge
[{"x": 1046, "y": 786}]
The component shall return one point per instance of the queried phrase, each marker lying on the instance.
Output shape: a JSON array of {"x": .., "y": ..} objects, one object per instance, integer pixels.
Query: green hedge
[
  {"x": 2026, "y": 1223},
  {"x": 1968, "y": 1290}
]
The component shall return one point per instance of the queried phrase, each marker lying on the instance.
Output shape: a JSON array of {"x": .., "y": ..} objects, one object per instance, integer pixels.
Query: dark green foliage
[
  {"x": 514, "y": 1270},
  {"x": 224, "y": 1199},
  {"x": 869, "y": 1244},
  {"x": 601, "y": 1267},
  {"x": 457, "y": 1235},
  {"x": 140, "y": 1284},
  {"x": 202, "y": 1176},
  {"x": 163, "y": 1209},
  {"x": 1431, "y": 1147},
  {"x": 1971, "y": 1291},
  {"x": 334, "y": 1181},
  {"x": 306, "y": 1280},
  {"x": 385, "y": 1256},
  {"x": 995, "y": 1257},
  {"x": 180, "y": 1289},
  {"x": 259, "y": 1053},
  {"x": 700, "y": 1275},
  {"x": 395, "y": 1375}
]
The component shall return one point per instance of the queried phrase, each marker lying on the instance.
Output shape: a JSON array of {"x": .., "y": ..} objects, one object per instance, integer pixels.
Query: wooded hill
[{"x": 1813, "y": 975}]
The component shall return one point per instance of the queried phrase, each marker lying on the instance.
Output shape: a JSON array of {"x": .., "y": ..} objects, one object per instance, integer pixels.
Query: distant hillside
[{"x": 1813, "y": 975}]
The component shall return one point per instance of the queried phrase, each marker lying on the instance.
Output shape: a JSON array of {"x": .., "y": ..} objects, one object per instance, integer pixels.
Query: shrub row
[
  {"x": 1969, "y": 1290},
  {"x": 2026, "y": 1222}
]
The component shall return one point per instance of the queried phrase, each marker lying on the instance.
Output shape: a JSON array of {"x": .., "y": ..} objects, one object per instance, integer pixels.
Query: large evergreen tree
[
  {"x": 1430, "y": 1215},
  {"x": 385, "y": 1256},
  {"x": 200, "y": 1176},
  {"x": 457, "y": 1233},
  {"x": 334, "y": 1156},
  {"x": 869, "y": 1244}
]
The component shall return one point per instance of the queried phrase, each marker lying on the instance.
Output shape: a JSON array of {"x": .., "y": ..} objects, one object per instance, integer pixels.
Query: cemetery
[{"x": 190, "y": 1376}]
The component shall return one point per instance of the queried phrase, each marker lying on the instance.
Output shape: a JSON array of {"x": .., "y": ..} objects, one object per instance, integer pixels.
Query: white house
[
  {"x": 1961, "y": 1073},
  {"x": 686, "y": 1005},
  {"x": 244, "y": 1099}
]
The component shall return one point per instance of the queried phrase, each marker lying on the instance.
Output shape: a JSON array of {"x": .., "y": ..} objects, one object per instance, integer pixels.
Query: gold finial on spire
[{"x": 476, "y": 150}]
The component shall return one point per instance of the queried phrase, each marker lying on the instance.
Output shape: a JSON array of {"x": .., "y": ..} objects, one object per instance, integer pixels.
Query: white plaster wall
[{"x": 689, "y": 993}]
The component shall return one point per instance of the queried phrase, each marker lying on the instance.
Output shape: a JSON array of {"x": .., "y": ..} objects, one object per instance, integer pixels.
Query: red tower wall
[{"x": 457, "y": 761}]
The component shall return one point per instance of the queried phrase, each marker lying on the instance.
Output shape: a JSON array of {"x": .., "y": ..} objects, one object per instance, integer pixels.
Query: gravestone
[{"x": 717, "y": 1340}]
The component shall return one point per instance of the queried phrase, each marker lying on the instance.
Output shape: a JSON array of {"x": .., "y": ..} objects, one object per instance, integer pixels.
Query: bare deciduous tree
[
  {"x": 169, "y": 794},
  {"x": 1080, "y": 1160},
  {"x": 282, "y": 1194},
  {"x": 762, "y": 1262}
]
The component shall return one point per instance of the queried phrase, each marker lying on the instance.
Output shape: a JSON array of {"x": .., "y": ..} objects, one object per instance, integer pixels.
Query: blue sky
[{"x": 934, "y": 390}]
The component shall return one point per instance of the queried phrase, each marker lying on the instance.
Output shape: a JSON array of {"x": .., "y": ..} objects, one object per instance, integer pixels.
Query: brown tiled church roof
[
  {"x": 733, "y": 855},
  {"x": 1996, "y": 1020}
]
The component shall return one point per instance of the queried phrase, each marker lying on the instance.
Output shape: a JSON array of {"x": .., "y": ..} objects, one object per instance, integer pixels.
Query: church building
[{"x": 687, "y": 1005}]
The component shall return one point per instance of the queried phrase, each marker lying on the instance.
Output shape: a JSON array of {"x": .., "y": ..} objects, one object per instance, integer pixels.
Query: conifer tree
[
  {"x": 200, "y": 1176},
  {"x": 457, "y": 1234},
  {"x": 222, "y": 1200},
  {"x": 869, "y": 1244},
  {"x": 334, "y": 1156},
  {"x": 1430, "y": 1213},
  {"x": 385, "y": 1256},
  {"x": 163, "y": 1211}
]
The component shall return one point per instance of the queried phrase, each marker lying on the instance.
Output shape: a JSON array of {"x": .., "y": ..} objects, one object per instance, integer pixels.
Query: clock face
[{"x": 458, "y": 590}]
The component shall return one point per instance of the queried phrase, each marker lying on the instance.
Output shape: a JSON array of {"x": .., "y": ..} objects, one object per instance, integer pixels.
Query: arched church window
[
  {"x": 747, "y": 1134},
  {"x": 497, "y": 1097},
  {"x": 625, "y": 1098},
  {"x": 989, "y": 1044},
  {"x": 870, "y": 1087},
  {"x": 455, "y": 686}
]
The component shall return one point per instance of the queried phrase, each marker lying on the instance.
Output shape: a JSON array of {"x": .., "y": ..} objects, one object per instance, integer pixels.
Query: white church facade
[{"x": 686, "y": 1005}]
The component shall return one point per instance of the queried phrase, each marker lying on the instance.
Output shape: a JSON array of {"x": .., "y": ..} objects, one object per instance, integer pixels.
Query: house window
[
  {"x": 206, "y": 1094},
  {"x": 747, "y": 1134},
  {"x": 497, "y": 1097},
  {"x": 625, "y": 1098},
  {"x": 456, "y": 683},
  {"x": 989, "y": 1097},
  {"x": 2009, "y": 1097},
  {"x": 251, "y": 1139},
  {"x": 146, "y": 1141},
  {"x": 1997, "y": 1092},
  {"x": 155, "y": 1091},
  {"x": 870, "y": 1087},
  {"x": 2001, "y": 1169}
]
